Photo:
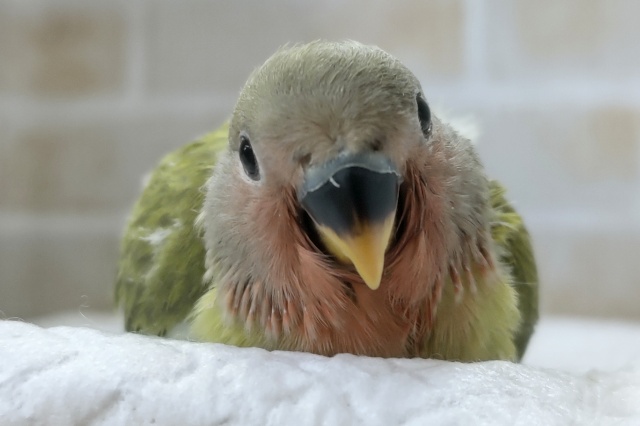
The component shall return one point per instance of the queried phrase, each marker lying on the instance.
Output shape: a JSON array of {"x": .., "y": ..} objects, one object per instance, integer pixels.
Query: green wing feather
[
  {"x": 162, "y": 255},
  {"x": 512, "y": 237}
]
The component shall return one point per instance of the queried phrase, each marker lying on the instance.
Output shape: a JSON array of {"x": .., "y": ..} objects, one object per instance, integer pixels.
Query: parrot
[{"x": 334, "y": 212}]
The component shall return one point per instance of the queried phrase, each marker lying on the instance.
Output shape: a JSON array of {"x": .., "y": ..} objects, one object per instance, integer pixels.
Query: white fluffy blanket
[{"x": 77, "y": 376}]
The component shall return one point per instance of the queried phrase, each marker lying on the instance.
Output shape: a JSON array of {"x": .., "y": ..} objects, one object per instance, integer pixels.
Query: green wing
[
  {"x": 512, "y": 237},
  {"x": 162, "y": 255}
]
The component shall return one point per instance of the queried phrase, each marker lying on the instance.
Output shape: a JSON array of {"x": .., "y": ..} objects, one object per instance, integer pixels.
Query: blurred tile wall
[{"x": 93, "y": 93}]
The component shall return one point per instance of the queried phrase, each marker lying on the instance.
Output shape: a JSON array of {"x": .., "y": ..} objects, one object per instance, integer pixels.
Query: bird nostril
[
  {"x": 376, "y": 145},
  {"x": 304, "y": 160}
]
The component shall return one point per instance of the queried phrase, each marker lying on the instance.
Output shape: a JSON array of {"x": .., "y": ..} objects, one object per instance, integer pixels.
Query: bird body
[{"x": 332, "y": 214}]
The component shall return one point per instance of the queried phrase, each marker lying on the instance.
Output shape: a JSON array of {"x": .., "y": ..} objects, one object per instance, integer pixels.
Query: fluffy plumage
[{"x": 459, "y": 278}]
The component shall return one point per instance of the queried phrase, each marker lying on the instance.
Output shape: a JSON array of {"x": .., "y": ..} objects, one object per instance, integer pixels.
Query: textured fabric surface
[{"x": 72, "y": 375}]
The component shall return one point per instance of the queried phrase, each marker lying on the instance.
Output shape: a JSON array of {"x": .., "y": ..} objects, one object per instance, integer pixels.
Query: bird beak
[{"x": 352, "y": 200}]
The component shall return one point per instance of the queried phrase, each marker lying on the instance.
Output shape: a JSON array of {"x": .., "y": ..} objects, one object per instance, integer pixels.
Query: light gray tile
[
  {"x": 63, "y": 48},
  {"x": 564, "y": 156},
  {"x": 574, "y": 39},
  {"x": 95, "y": 166},
  {"x": 589, "y": 273},
  {"x": 197, "y": 45}
]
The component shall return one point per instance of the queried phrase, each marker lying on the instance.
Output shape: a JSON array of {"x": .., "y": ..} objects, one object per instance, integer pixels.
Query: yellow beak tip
[
  {"x": 372, "y": 280},
  {"x": 373, "y": 285},
  {"x": 364, "y": 249}
]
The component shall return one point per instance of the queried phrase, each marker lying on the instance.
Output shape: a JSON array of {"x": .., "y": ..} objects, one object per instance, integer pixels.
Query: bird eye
[
  {"x": 424, "y": 114},
  {"x": 248, "y": 158}
]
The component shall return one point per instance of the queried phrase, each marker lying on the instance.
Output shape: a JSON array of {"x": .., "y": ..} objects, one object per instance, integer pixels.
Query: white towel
[{"x": 77, "y": 376}]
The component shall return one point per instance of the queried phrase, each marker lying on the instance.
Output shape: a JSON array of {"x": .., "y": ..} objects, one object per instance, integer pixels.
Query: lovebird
[{"x": 333, "y": 213}]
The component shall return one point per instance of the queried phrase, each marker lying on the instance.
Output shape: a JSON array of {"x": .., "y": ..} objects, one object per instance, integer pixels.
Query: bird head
[{"x": 327, "y": 128}]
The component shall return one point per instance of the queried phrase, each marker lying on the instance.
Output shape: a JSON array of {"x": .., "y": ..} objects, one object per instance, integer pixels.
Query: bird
[{"x": 333, "y": 213}]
